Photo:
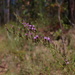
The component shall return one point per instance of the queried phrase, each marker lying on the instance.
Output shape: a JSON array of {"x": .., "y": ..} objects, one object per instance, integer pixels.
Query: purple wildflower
[
  {"x": 30, "y": 25},
  {"x": 32, "y": 28},
  {"x": 48, "y": 38},
  {"x": 35, "y": 38},
  {"x": 45, "y": 38}
]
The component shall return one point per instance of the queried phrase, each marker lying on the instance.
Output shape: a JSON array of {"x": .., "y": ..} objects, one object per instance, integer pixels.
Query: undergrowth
[{"x": 26, "y": 51}]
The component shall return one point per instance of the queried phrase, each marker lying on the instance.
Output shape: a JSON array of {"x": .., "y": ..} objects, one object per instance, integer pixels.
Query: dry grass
[{"x": 36, "y": 59}]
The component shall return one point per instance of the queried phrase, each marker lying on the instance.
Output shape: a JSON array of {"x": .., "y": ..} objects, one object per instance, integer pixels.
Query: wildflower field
[{"x": 27, "y": 50}]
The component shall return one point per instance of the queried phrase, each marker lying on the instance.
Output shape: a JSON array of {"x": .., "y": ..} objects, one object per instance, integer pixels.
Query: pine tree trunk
[
  {"x": 71, "y": 8},
  {"x": 1, "y": 13},
  {"x": 6, "y": 11}
]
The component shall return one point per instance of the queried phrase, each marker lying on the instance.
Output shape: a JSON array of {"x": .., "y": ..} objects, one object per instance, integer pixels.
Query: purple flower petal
[
  {"x": 30, "y": 25},
  {"x": 48, "y": 39},
  {"x": 45, "y": 38},
  {"x": 35, "y": 38}
]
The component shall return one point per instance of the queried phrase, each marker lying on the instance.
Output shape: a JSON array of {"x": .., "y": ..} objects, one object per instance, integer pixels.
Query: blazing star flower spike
[{"x": 45, "y": 38}]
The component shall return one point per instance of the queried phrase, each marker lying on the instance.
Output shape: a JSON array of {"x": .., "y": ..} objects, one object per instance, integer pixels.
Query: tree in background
[
  {"x": 6, "y": 11},
  {"x": 71, "y": 8},
  {"x": 31, "y": 10},
  {"x": 1, "y": 9}
]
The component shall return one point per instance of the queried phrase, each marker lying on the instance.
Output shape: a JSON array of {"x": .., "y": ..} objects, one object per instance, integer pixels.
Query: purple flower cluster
[
  {"x": 36, "y": 37},
  {"x": 47, "y": 39},
  {"x": 30, "y": 33},
  {"x": 25, "y": 24},
  {"x": 30, "y": 27}
]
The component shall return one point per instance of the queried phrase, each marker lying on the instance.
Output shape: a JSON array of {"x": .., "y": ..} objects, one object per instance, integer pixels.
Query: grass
[{"x": 32, "y": 58}]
